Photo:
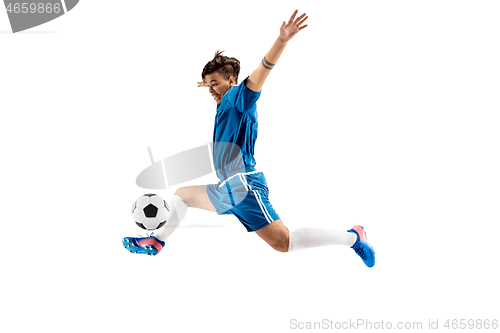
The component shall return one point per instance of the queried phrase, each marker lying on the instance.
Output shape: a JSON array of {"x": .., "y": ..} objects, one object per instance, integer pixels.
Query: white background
[{"x": 379, "y": 113}]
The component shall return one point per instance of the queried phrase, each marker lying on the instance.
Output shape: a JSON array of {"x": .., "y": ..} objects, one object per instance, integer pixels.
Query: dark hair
[{"x": 223, "y": 65}]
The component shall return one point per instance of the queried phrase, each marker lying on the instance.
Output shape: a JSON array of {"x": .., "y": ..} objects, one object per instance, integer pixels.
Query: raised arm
[{"x": 287, "y": 31}]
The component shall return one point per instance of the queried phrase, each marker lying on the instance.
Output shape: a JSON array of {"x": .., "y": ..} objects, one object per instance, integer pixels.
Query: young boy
[{"x": 242, "y": 190}]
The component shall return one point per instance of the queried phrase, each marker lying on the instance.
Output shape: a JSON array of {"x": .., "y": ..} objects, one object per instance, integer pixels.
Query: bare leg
[{"x": 196, "y": 197}]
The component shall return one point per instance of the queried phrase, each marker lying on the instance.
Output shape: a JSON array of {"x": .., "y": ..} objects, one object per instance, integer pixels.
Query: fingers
[
  {"x": 293, "y": 16},
  {"x": 299, "y": 23}
]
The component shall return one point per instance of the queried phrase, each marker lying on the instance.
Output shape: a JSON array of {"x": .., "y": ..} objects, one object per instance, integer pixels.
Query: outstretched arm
[{"x": 287, "y": 32}]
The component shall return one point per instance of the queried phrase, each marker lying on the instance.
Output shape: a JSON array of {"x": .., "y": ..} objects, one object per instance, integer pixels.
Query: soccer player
[{"x": 242, "y": 190}]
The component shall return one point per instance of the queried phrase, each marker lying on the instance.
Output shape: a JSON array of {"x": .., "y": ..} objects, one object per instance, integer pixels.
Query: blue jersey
[{"x": 235, "y": 132}]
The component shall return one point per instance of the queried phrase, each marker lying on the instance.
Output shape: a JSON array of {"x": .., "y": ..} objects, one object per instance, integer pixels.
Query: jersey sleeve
[{"x": 242, "y": 98}]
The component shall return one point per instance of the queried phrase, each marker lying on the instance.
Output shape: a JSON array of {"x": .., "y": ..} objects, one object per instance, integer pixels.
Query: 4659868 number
[{"x": 34, "y": 8}]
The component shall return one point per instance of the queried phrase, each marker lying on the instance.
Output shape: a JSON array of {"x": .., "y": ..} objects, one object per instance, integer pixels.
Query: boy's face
[{"x": 217, "y": 86}]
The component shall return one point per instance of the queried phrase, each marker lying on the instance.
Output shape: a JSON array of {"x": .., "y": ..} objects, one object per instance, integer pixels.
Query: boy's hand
[
  {"x": 202, "y": 84},
  {"x": 290, "y": 29}
]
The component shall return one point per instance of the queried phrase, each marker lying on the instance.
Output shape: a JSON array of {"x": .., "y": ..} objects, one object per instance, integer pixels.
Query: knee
[
  {"x": 182, "y": 193},
  {"x": 281, "y": 244}
]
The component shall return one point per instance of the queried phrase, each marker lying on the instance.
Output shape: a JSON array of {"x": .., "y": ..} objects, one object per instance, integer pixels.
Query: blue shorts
[{"x": 246, "y": 196}]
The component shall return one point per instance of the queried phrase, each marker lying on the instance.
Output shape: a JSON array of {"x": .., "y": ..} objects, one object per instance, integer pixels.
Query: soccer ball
[{"x": 150, "y": 211}]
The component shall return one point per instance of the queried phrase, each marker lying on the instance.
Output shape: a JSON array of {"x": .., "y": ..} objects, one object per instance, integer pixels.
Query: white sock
[
  {"x": 178, "y": 210},
  {"x": 304, "y": 238}
]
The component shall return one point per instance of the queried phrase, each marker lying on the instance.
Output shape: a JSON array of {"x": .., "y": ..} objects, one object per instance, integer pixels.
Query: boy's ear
[{"x": 232, "y": 81}]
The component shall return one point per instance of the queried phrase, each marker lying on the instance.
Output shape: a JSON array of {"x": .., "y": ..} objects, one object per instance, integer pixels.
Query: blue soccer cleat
[
  {"x": 148, "y": 245},
  {"x": 362, "y": 247}
]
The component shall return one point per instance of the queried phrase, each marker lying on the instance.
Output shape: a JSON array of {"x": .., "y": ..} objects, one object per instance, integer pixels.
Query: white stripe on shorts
[
  {"x": 259, "y": 199},
  {"x": 237, "y": 174}
]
